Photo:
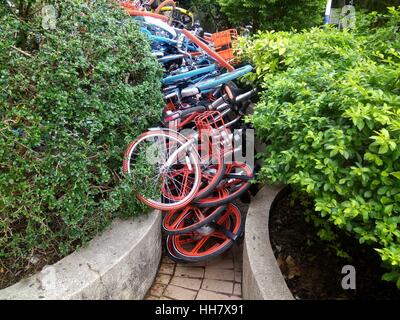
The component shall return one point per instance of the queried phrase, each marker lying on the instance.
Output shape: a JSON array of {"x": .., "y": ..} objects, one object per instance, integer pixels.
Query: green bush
[
  {"x": 209, "y": 14},
  {"x": 376, "y": 5},
  {"x": 330, "y": 112},
  {"x": 274, "y": 14},
  {"x": 71, "y": 99},
  {"x": 271, "y": 14}
]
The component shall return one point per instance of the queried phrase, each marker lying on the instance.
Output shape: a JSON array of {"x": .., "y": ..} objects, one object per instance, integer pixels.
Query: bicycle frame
[
  {"x": 207, "y": 49},
  {"x": 188, "y": 75},
  {"x": 176, "y": 15},
  {"x": 207, "y": 85},
  {"x": 191, "y": 144}
]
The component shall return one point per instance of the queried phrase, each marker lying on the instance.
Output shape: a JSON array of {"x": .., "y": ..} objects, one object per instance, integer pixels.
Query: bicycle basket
[
  {"x": 215, "y": 138},
  {"x": 223, "y": 42}
]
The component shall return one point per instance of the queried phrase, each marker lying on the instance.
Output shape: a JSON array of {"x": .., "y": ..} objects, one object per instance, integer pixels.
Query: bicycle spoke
[
  {"x": 219, "y": 234},
  {"x": 198, "y": 214},
  {"x": 200, "y": 244},
  {"x": 187, "y": 240},
  {"x": 178, "y": 219}
]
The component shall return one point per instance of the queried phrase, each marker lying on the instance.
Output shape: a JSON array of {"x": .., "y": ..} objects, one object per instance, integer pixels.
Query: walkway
[{"x": 217, "y": 279}]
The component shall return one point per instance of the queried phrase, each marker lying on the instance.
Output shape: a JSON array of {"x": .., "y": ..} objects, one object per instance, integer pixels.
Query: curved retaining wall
[
  {"x": 262, "y": 278},
  {"x": 121, "y": 263}
]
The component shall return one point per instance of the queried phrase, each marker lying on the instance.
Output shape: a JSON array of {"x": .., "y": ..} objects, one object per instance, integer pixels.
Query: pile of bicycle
[{"x": 190, "y": 161}]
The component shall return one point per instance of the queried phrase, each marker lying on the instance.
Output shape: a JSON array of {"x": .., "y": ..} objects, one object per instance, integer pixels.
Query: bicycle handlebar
[
  {"x": 245, "y": 96},
  {"x": 182, "y": 113}
]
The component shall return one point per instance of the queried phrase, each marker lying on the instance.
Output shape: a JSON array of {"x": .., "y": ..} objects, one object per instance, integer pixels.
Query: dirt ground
[{"x": 312, "y": 269}]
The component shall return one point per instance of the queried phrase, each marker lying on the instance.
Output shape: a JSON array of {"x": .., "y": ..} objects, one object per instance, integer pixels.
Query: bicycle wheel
[
  {"x": 170, "y": 187},
  {"x": 235, "y": 183},
  {"x": 212, "y": 172},
  {"x": 170, "y": 251},
  {"x": 189, "y": 219},
  {"x": 211, "y": 240}
]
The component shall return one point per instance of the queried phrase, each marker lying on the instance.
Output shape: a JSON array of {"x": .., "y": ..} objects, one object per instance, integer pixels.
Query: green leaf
[
  {"x": 383, "y": 149},
  {"x": 396, "y": 174},
  {"x": 391, "y": 276}
]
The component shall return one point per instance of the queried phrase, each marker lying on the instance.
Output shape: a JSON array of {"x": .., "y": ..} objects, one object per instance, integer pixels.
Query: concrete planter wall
[
  {"x": 121, "y": 263},
  {"x": 262, "y": 278}
]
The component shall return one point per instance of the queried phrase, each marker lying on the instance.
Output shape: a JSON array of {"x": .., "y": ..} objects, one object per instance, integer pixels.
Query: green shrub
[
  {"x": 209, "y": 14},
  {"x": 377, "y": 5},
  {"x": 330, "y": 113},
  {"x": 71, "y": 99},
  {"x": 274, "y": 14},
  {"x": 271, "y": 14}
]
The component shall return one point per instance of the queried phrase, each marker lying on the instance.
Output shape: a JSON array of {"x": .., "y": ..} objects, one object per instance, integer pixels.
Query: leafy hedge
[
  {"x": 208, "y": 14},
  {"x": 330, "y": 113},
  {"x": 70, "y": 101},
  {"x": 274, "y": 14}
]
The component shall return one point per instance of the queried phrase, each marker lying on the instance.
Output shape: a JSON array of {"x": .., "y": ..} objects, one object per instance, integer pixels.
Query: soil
[
  {"x": 312, "y": 269},
  {"x": 10, "y": 277}
]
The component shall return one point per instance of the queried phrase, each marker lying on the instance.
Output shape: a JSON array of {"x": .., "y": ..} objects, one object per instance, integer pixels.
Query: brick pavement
[{"x": 216, "y": 279}]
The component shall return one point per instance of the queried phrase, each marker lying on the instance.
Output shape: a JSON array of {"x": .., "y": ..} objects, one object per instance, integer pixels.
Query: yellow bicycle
[{"x": 179, "y": 17}]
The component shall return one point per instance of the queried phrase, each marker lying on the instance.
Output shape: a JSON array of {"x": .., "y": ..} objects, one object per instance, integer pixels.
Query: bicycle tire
[
  {"x": 182, "y": 200},
  {"x": 170, "y": 251},
  {"x": 169, "y": 227},
  {"x": 232, "y": 213},
  {"x": 220, "y": 198},
  {"x": 212, "y": 184}
]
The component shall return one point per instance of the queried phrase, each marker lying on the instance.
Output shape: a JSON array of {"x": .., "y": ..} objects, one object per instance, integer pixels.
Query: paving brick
[
  {"x": 238, "y": 253},
  {"x": 219, "y": 274},
  {"x": 162, "y": 279},
  {"x": 167, "y": 260},
  {"x": 188, "y": 283},
  {"x": 221, "y": 263},
  {"x": 237, "y": 289},
  {"x": 222, "y": 279},
  {"x": 218, "y": 286},
  {"x": 157, "y": 290},
  {"x": 192, "y": 264},
  {"x": 179, "y": 293},
  {"x": 166, "y": 268},
  {"x": 238, "y": 264},
  {"x": 209, "y": 295},
  {"x": 238, "y": 276},
  {"x": 189, "y": 272}
]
